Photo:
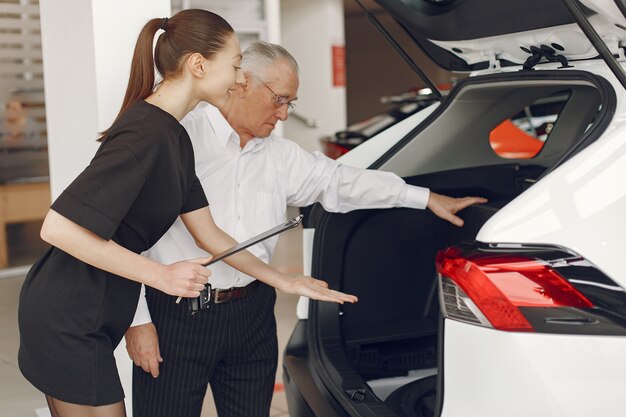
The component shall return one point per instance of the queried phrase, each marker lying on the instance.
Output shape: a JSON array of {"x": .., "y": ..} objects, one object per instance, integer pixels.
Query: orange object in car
[{"x": 509, "y": 141}]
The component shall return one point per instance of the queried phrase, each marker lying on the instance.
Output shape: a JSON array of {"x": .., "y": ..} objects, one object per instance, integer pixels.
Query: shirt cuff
[
  {"x": 414, "y": 197},
  {"x": 142, "y": 314}
]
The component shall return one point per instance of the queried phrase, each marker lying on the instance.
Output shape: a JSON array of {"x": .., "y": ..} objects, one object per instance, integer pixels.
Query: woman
[{"x": 78, "y": 300}]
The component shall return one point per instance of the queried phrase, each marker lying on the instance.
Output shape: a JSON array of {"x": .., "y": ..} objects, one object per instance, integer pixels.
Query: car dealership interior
[{"x": 453, "y": 171}]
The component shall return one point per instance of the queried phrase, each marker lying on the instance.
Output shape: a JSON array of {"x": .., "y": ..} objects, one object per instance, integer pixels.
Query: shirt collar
[
  {"x": 257, "y": 144},
  {"x": 224, "y": 131}
]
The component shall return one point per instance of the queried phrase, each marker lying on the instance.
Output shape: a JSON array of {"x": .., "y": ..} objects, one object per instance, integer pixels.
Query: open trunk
[
  {"x": 380, "y": 356},
  {"x": 389, "y": 338}
]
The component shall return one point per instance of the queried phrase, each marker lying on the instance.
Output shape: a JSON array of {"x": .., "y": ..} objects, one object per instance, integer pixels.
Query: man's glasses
[{"x": 279, "y": 101}]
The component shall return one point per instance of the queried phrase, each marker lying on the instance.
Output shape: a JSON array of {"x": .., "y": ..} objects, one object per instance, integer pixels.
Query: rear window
[
  {"x": 538, "y": 118},
  {"x": 523, "y": 135}
]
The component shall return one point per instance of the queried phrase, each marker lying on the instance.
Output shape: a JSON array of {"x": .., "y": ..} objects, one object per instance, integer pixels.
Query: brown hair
[{"x": 187, "y": 32}]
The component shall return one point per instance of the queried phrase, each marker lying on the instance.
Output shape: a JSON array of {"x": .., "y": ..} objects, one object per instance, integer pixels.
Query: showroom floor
[{"x": 19, "y": 399}]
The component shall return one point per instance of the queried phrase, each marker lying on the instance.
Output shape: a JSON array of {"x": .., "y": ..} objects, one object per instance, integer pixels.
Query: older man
[{"x": 249, "y": 177}]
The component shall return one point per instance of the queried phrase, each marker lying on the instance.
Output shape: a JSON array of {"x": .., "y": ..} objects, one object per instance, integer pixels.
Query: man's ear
[{"x": 196, "y": 64}]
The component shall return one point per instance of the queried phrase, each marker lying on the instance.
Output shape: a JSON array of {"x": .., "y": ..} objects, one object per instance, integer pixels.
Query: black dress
[{"x": 71, "y": 314}]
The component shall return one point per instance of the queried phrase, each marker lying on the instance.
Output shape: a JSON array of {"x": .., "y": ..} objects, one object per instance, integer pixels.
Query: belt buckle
[
  {"x": 202, "y": 302},
  {"x": 205, "y": 297},
  {"x": 216, "y": 298}
]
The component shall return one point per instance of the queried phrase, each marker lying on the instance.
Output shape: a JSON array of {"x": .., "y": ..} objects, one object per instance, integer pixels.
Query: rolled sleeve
[
  {"x": 99, "y": 198},
  {"x": 85, "y": 215},
  {"x": 196, "y": 199}
]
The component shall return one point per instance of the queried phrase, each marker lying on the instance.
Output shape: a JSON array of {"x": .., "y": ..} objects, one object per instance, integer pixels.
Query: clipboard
[{"x": 290, "y": 224}]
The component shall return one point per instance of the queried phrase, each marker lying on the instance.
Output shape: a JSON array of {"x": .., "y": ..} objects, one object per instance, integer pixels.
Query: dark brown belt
[{"x": 219, "y": 295}]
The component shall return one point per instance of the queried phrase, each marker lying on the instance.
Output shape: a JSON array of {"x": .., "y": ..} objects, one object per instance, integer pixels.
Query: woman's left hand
[{"x": 316, "y": 289}]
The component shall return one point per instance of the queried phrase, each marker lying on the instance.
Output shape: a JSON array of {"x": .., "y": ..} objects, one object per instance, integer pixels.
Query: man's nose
[{"x": 282, "y": 112}]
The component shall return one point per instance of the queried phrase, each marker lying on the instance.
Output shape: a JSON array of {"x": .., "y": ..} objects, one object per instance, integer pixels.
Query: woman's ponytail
[{"x": 141, "y": 80}]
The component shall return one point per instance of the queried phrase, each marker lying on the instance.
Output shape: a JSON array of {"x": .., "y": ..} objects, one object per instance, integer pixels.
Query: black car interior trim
[
  {"x": 307, "y": 397},
  {"x": 477, "y": 19},
  {"x": 348, "y": 349}
]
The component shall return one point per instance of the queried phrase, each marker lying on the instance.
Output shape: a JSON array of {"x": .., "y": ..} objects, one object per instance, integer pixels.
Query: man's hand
[
  {"x": 142, "y": 344},
  {"x": 447, "y": 207}
]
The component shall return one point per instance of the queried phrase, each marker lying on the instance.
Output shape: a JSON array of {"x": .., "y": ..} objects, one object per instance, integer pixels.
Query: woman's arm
[
  {"x": 211, "y": 238},
  {"x": 184, "y": 279}
]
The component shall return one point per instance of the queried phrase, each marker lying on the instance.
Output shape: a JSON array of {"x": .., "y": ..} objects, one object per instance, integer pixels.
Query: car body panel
[
  {"x": 494, "y": 373},
  {"x": 568, "y": 206},
  {"x": 368, "y": 152}
]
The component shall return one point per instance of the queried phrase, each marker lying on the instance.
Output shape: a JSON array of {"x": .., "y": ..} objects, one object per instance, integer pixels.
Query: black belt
[{"x": 217, "y": 296}]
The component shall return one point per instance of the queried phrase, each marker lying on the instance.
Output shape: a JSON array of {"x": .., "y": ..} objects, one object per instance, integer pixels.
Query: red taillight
[{"x": 499, "y": 284}]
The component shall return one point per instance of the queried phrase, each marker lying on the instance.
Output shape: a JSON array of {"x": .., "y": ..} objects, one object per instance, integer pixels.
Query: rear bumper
[{"x": 494, "y": 373}]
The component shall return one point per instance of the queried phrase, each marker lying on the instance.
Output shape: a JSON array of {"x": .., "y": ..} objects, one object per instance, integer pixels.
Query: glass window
[
  {"x": 523, "y": 135},
  {"x": 24, "y": 185}
]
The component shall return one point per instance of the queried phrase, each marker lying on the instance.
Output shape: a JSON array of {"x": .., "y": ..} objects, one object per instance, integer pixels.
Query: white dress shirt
[{"x": 249, "y": 189}]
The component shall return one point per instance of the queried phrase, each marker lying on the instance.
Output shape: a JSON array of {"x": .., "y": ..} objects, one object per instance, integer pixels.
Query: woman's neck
[{"x": 174, "y": 97}]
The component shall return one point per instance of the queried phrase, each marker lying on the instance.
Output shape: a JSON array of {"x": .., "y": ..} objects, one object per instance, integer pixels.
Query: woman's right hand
[
  {"x": 316, "y": 289},
  {"x": 184, "y": 278}
]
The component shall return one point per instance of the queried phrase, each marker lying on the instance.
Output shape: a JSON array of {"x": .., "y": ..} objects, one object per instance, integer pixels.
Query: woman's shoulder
[
  {"x": 148, "y": 116},
  {"x": 144, "y": 124}
]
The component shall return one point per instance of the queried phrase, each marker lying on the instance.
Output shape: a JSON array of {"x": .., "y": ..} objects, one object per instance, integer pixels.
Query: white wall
[
  {"x": 87, "y": 55},
  {"x": 272, "y": 18},
  {"x": 308, "y": 31}
]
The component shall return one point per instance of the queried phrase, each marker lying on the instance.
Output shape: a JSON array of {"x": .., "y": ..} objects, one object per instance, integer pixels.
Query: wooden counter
[{"x": 21, "y": 202}]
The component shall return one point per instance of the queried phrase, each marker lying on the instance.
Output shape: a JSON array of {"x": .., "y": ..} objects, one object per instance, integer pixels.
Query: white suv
[{"x": 522, "y": 312}]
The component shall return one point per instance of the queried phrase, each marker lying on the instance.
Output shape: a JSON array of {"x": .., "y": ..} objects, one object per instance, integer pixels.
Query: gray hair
[{"x": 260, "y": 56}]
